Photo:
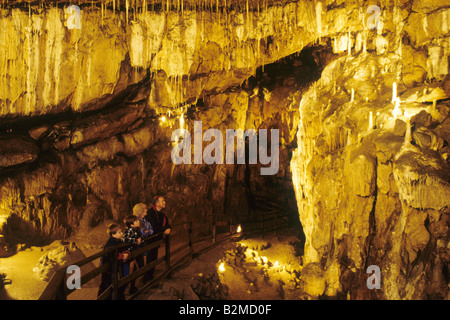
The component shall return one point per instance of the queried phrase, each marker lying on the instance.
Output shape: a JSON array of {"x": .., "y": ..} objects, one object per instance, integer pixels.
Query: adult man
[
  {"x": 160, "y": 225},
  {"x": 157, "y": 217}
]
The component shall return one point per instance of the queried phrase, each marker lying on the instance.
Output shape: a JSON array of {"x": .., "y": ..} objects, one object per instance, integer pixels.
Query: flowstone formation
[{"x": 371, "y": 174}]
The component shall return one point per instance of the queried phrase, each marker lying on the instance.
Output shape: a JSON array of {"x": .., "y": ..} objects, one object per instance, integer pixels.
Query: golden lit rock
[{"x": 88, "y": 105}]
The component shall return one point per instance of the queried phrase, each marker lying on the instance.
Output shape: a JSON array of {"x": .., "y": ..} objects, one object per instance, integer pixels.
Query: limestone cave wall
[{"x": 360, "y": 98}]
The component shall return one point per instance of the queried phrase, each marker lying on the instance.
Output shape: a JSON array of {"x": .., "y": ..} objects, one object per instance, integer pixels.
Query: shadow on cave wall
[{"x": 115, "y": 183}]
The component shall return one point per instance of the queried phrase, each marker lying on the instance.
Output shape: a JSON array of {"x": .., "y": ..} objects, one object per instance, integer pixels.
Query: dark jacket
[
  {"x": 107, "y": 275},
  {"x": 158, "y": 220},
  {"x": 111, "y": 243}
]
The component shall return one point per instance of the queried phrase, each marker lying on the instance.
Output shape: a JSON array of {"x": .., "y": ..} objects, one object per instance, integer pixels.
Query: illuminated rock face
[
  {"x": 370, "y": 189},
  {"x": 372, "y": 182},
  {"x": 49, "y": 66},
  {"x": 72, "y": 171}
]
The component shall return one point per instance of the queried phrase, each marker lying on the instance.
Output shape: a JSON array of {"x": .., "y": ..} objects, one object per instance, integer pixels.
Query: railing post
[
  {"x": 61, "y": 293},
  {"x": 167, "y": 252},
  {"x": 115, "y": 279}
]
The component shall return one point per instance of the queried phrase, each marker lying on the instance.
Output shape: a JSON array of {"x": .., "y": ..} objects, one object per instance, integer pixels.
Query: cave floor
[{"x": 255, "y": 268}]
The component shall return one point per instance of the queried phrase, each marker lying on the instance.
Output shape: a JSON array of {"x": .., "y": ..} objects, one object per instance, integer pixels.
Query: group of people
[{"x": 143, "y": 223}]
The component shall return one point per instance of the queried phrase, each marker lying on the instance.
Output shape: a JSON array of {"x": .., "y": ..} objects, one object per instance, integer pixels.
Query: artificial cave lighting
[{"x": 299, "y": 142}]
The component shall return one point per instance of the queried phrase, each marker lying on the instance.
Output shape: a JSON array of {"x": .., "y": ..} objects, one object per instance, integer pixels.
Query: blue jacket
[{"x": 146, "y": 228}]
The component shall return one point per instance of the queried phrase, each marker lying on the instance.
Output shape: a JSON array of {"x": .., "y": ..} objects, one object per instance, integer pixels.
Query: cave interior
[{"x": 100, "y": 103}]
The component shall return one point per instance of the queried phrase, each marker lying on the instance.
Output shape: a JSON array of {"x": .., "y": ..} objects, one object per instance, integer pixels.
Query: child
[
  {"x": 115, "y": 238},
  {"x": 132, "y": 236}
]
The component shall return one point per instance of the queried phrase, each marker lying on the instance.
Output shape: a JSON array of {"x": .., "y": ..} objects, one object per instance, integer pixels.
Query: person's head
[
  {"x": 159, "y": 202},
  {"x": 132, "y": 221},
  {"x": 139, "y": 210},
  {"x": 115, "y": 231}
]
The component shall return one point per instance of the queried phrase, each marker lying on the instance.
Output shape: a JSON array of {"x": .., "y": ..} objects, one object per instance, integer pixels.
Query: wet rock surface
[
  {"x": 366, "y": 169},
  {"x": 389, "y": 164}
]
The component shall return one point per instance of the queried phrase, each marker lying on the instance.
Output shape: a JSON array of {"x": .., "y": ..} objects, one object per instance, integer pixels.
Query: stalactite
[
  {"x": 246, "y": 10},
  {"x": 119, "y": 184},
  {"x": 28, "y": 77},
  {"x": 349, "y": 44},
  {"x": 142, "y": 169}
]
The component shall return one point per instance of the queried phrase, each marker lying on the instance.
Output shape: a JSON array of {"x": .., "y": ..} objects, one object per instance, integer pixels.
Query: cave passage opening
[{"x": 287, "y": 79}]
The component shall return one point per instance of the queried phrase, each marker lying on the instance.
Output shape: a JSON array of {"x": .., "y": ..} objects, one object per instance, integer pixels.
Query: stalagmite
[
  {"x": 370, "y": 121},
  {"x": 87, "y": 194},
  {"x": 394, "y": 92},
  {"x": 396, "y": 111},
  {"x": 182, "y": 124},
  {"x": 408, "y": 130}
]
